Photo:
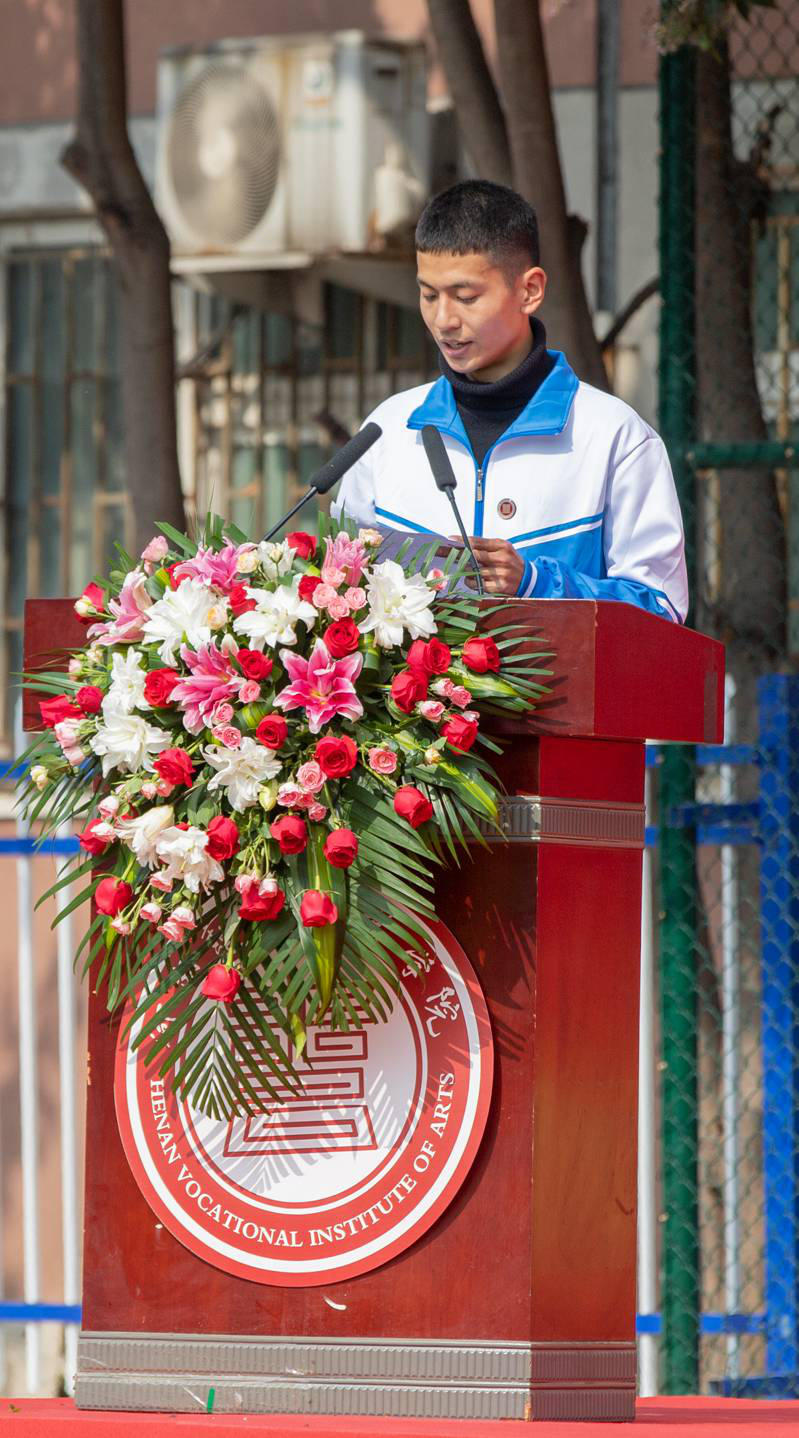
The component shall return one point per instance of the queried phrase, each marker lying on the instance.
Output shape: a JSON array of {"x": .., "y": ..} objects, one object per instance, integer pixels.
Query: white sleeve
[{"x": 643, "y": 533}]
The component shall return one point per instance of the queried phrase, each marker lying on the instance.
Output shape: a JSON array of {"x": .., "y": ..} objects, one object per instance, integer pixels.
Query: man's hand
[{"x": 501, "y": 567}]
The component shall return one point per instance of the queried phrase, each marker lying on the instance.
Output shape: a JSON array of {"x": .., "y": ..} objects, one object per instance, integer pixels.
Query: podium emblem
[{"x": 332, "y": 1180}]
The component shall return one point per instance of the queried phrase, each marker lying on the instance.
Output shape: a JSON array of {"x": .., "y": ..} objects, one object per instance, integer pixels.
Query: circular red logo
[
  {"x": 506, "y": 508},
  {"x": 335, "y": 1180}
]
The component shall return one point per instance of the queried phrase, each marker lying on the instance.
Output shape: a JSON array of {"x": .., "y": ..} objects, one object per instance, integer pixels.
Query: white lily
[
  {"x": 241, "y": 772},
  {"x": 127, "y": 742},
  {"x": 276, "y": 559},
  {"x": 126, "y": 690},
  {"x": 182, "y": 853},
  {"x": 186, "y": 613},
  {"x": 276, "y": 616},
  {"x": 397, "y": 602},
  {"x": 141, "y": 835}
]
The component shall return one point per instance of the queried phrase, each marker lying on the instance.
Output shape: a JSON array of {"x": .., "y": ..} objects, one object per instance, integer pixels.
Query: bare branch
[{"x": 472, "y": 88}]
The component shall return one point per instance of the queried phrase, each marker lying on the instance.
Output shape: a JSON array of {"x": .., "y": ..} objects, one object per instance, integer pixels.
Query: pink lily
[
  {"x": 344, "y": 560},
  {"x": 218, "y": 568},
  {"x": 322, "y": 686},
  {"x": 212, "y": 681},
  {"x": 129, "y": 611}
]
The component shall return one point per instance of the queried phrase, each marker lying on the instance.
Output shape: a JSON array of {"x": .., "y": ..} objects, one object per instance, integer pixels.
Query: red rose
[
  {"x": 158, "y": 686},
  {"x": 336, "y": 757},
  {"x": 408, "y": 688},
  {"x": 429, "y": 656},
  {"x": 317, "y": 909},
  {"x": 89, "y": 698},
  {"x": 290, "y": 832},
  {"x": 53, "y": 711},
  {"x": 480, "y": 655},
  {"x": 261, "y": 907},
  {"x": 223, "y": 838},
  {"x": 112, "y": 896},
  {"x": 90, "y": 841},
  {"x": 221, "y": 983},
  {"x": 411, "y": 804},
  {"x": 175, "y": 580},
  {"x": 254, "y": 663},
  {"x": 239, "y": 603},
  {"x": 94, "y": 595},
  {"x": 342, "y": 637},
  {"x": 175, "y": 766},
  {"x": 303, "y": 543},
  {"x": 341, "y": 848},
  {"x": 272, "y": 731},
  {"x": 308, "y": 585},
  {"x": 460, "y": 733}
]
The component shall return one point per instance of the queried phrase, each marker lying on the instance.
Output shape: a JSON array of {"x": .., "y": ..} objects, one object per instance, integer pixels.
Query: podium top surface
[{"x": 617, "y": 672}]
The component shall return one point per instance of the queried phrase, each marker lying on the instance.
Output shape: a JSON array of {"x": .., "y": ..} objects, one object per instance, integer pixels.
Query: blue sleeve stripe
[
  {"x": 556, "y": 529},
  {"x": 673, "y": 613},
  {"x": 399, "y": 519}
]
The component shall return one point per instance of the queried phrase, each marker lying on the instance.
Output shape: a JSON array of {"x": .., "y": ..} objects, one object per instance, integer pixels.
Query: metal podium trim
[
  {"x": 535, "y": 819},
  {"x": 164, "y": 1372}
]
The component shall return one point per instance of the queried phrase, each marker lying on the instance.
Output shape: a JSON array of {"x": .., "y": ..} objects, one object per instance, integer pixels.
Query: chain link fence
[{"x": 726, "y": 820}]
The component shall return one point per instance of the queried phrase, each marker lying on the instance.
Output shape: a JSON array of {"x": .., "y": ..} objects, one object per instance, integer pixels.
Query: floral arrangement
[{"x": 269, "y": 748}]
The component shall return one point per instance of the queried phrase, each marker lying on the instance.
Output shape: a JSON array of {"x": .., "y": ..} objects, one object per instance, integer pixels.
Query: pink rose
[
  {"x": 431, "y": 709},
  {"x": 152, "y": 911},
  {"x": 222, "y": 713},
  {"x": 228, "y": 735},
  {"x": 355, "y": 597},
  {"x": 322, "y": 596},
  {"x": 109, "y": 807},
  {"x": 460, "y": 696},
  {"x": 249, "y": 692},
  {"x": 444, "y": 687},
  {"x": 156, "y": 550},
  {"x": 382, "y": 761},
  {"x": 333, "y": 576},
  {"x": 437, "y": 579},
  {"x": 163, "y": 788},
  {"x": 317, "y": 812},
  {"x": 122, "y": 926},
  {"x": 338, "y": 608},
  {"x": 149, "y": 789},
  {"x": 287, "y": 795},
  {"x": 162, "y": 882},
  {"x": 243, "y": 882},
  {"x": 184, "y": 916},
  {"x": 310, "y": 777},
  {"x": 171, "y": 930}
]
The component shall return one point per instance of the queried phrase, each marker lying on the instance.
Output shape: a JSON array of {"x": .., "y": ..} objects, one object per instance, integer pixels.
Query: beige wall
[{"x": 37, "y": 63}]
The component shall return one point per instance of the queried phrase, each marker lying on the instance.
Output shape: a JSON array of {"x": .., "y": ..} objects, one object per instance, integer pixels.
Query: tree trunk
[
  {"x": 749, "y": 611},
  {"x": 101, "y": 159},
  {"x": 537, "y": 173},
  {"x": 472, "y": 89}
]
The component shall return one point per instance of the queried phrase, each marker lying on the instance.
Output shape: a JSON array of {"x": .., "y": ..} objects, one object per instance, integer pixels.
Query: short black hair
[{"x": 479, "y": 217}]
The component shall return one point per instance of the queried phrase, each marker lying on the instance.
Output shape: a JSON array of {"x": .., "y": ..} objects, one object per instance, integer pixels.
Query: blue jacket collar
[{"x": 546, "y": 413}]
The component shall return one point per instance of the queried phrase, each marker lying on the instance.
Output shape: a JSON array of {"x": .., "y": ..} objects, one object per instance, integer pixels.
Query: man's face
[{"x": 478, "y": 317}]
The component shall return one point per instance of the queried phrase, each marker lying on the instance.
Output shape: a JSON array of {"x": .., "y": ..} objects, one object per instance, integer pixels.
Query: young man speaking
[{"x": 567, "y": 492}]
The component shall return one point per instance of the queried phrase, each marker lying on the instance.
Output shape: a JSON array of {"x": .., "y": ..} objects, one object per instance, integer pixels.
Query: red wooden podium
[{"x": 520, "y": 1300}]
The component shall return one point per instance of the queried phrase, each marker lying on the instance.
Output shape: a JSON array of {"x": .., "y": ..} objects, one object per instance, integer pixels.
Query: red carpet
[{"x": 668, "y": 1417}]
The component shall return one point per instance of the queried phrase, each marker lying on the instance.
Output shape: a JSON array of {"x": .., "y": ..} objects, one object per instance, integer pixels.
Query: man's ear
[{"x": 533, "y": 285}]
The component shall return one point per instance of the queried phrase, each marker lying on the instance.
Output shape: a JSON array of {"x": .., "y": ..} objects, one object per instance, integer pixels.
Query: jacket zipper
[{"x": 479, "y": 486}]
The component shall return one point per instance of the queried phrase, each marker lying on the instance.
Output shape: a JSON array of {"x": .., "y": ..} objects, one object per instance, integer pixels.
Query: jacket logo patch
[{"x": 506, "y": 508}]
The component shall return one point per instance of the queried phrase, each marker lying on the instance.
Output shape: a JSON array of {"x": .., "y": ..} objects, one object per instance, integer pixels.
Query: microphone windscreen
[
  {"x": 437, "y": 457},
  {"x": 346, "y": 457}
]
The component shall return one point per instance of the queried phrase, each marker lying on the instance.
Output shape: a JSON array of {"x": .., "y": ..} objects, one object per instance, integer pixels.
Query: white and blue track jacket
[{"x": 579, "y": 484}]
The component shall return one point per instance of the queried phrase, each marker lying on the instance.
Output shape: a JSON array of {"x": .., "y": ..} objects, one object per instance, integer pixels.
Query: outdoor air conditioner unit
[{"x": 302, "y": 146}]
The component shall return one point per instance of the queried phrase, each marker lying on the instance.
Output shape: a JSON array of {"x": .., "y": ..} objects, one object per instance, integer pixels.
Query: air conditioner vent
[{"x": 223, "y": 149}]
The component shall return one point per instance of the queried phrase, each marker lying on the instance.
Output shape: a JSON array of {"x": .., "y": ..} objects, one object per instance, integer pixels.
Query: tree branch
[{"x": 472, "y": 88}]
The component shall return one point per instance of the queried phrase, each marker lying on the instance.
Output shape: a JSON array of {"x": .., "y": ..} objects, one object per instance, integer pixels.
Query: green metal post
[{"x": 680, "y": 1291}]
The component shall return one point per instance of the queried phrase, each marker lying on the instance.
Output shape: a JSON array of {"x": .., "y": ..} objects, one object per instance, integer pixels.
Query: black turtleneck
[{"x": 487, "y": 410}]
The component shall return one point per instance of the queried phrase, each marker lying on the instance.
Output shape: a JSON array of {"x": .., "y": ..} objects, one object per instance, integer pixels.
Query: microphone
[
  {"x": 439, "y": 462},
  {"x": 331, "y": 473}
]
